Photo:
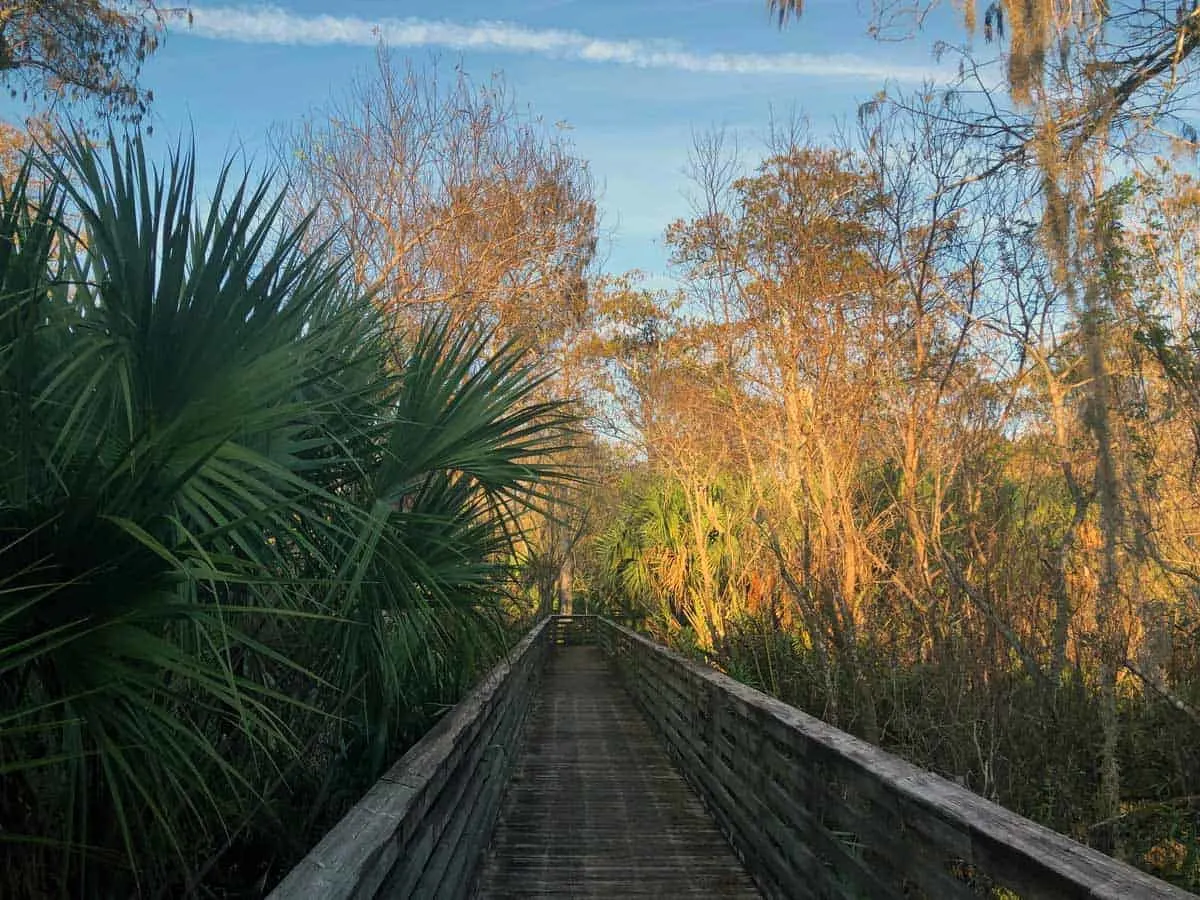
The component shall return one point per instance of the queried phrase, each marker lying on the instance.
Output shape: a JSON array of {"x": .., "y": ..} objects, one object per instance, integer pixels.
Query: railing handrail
[
  {"x": 367, "y": 848},
  {"x": 1002, "y": 835}
]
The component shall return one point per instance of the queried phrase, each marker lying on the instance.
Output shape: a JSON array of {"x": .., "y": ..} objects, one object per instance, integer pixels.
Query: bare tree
[
  {"x": 449, "y": 201},
  {"x": 81, "y": 50}
]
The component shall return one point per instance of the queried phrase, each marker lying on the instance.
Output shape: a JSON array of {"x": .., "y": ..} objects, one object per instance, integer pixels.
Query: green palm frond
[
  {"x": 233, "y": 538},
  {"x": 173, "y": 372}
]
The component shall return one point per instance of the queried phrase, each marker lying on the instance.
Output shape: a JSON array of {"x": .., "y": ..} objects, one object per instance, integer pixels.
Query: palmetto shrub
[{"x": 248, "y": 541}]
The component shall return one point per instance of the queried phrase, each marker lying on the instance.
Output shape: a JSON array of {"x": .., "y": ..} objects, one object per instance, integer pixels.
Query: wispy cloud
[{"x": 272, "y": 25}]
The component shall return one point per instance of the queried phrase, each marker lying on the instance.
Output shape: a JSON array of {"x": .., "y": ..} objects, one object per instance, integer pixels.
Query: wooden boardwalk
[
  {"x": 595, "y": 807},
  {"x": 588, "y": 804}
]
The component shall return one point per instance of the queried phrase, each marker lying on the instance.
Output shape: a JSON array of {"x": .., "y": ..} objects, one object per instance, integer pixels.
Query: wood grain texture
[{"x": 594, "y": 806}]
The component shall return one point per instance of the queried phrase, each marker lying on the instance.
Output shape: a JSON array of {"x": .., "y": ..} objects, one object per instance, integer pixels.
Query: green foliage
[
  {"x": 243, "y": 557},
  {"x": 666, "y": 551}
]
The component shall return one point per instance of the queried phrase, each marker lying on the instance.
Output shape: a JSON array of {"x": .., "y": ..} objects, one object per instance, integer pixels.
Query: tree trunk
[{"x": 566, "y": 586}]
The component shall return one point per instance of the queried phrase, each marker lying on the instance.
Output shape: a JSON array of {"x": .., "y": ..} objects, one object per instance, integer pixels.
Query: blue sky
[{"x": 635, "y": 79}]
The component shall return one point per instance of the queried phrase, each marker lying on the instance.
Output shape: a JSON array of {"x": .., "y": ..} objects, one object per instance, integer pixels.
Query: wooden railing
[
  {"x": 420, "y": 830},
  {"x": 570, "y": 630},
  {"x": 815, "y": 812}
]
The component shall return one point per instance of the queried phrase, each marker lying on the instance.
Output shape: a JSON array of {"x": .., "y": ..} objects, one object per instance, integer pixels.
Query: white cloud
[{"x": 272, "y": 25}]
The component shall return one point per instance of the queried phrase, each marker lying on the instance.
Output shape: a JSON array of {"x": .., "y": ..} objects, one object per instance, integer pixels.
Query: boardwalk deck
[{"x": 595, "y": 808}]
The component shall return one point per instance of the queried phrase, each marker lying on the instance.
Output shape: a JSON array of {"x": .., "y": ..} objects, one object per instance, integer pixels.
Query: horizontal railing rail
[
  {"x": 421, "y": 829},
  {"x": 816, "y": 812}
]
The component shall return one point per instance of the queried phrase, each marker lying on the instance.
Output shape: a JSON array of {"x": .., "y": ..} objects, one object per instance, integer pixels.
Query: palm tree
[{"x": 241, "y": 547}]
